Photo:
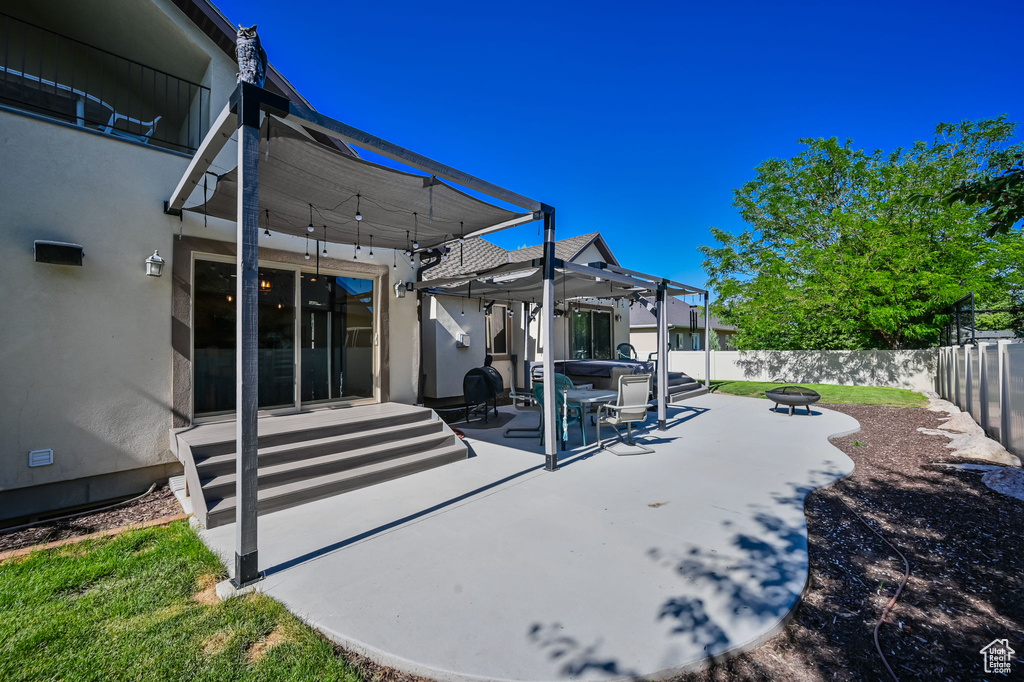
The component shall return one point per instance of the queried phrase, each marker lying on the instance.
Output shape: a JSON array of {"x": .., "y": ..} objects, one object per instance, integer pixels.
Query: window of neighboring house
[
  {"x": 497, "y": 330},
  {"x": 592, "y": 335},
  {"x": 695, "y": 340}
]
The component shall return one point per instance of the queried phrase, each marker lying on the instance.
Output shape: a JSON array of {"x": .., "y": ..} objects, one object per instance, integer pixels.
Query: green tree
[{"x": 840, "y": 255}]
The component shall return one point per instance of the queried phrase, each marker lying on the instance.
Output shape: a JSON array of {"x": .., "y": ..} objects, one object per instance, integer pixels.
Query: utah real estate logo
[{"x": 997, "y": 656}]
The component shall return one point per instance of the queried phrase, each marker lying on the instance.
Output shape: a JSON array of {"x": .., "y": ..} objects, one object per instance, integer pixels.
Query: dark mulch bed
[
  {"x": 966, "y": 550},
  {"x": 157, "y": 504}
]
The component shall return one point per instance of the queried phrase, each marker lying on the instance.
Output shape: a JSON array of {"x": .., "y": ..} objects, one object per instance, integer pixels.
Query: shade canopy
[
  {"x": 524, "y": 281},
  {"x": 398, "y": 208}
]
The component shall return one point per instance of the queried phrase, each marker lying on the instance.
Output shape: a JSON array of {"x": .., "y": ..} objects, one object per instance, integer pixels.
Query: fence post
[
  {"x": 968, "y": 379},
  {"x": 956, "y": 376},
  {"x": 983, "y": 380},
  {"x": 1004, "y": 394}
]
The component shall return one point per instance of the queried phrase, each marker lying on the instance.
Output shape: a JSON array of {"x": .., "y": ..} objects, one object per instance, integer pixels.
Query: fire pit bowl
[{"x": 793, "y": 396}]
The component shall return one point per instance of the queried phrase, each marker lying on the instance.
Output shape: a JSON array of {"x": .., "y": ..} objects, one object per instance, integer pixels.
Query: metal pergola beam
[
  {"x": 333, "y": 128},
  {"x": 219, "y": 134},
  {"x": 313, "y": 120},
  {"x": 650, "y": 279}
]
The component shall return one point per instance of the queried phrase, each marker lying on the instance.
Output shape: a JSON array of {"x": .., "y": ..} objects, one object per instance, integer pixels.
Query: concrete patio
[{"x": 491, "y": 568}]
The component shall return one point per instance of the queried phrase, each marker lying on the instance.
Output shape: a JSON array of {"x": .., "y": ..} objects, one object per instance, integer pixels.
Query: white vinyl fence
[
  {"x": 987, "y": 380},
  {"x": 913, "y": 369}
]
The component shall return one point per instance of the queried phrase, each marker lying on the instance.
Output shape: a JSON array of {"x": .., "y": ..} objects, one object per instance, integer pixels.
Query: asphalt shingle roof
[{"x": 477, "y": 254}]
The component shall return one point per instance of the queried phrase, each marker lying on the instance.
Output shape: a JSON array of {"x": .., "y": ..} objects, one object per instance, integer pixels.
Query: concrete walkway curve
[{"x": 612, "y": 567}]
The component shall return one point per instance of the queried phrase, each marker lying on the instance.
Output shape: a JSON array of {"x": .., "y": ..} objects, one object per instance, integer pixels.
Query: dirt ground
[
  {"x": 964, "y": 545},
  {"x": 155, "y": 505}
]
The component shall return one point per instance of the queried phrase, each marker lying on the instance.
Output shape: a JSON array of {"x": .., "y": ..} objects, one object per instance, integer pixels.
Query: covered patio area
[{"x": 617, "y": 567}]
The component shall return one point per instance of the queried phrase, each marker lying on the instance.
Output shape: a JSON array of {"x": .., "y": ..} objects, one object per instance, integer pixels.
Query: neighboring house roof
[
  {"x": 568, "y": 249},
  {"x": 678, "y": 316},
  {"x": 477, "y": 254}
]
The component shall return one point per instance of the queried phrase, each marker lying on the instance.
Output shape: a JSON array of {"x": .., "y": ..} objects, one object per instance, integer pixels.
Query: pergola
[
  {"x": 295, "y": 184},
  {"x": 529, "y": 281}
]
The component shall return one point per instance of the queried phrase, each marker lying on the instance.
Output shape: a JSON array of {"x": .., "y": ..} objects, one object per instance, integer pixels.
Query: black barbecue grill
[{"x": 480, "y": 386}]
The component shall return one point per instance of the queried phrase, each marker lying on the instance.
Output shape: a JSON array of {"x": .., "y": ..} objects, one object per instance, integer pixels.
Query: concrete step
[
  {"x": 327, "y": 461},
  {"x": 220, "y": 440},
  {"x": 222, "y": 511},
  {"x": 217, "y": 465}
]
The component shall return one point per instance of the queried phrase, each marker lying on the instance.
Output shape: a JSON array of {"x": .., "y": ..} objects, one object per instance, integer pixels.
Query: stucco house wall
[{"x": 86, "y": 352}]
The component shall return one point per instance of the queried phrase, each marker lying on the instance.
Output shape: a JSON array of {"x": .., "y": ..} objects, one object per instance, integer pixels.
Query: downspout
[{"x": 434, "y": 259}]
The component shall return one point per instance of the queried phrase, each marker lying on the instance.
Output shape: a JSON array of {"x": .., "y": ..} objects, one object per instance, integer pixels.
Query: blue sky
[{"x": 639, "y": 119}]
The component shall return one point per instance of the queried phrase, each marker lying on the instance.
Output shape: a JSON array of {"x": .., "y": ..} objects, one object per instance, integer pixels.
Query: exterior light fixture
[
  {"x": 359, "y": 216},
  {"x": 155, "y": 265},
  {"x": 399, "y": 289},
  {"x": 310, "y": 228}
]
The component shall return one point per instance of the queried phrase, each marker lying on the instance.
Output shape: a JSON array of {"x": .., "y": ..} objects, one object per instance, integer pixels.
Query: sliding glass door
[
  {"x": 592, "y": 335},
  {"x": 316, "y": 338},
  {"x": 337, "y": 338}
]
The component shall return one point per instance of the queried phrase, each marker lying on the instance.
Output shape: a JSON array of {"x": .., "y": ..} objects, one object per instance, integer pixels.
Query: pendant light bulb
[
  {"x": 307, "y": 255},
  {"x": 266, "y": 232},
  {"x": 324, "y": 254},
  {"x": 415, "y": 245},
  {"x": 359, "y": 216},
  {"x": 310, "y": 228}
]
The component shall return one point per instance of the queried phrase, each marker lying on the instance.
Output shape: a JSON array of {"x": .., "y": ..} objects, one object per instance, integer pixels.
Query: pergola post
[
  {"x": 548, "y": 333},
  {"x": 707, "y": 340},
  {"x": 246, "y": 341},
  {"x": 662, "y": 366}
]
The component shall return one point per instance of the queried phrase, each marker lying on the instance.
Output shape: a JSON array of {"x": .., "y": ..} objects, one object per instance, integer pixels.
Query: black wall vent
[{"x": 58, "y": 253}]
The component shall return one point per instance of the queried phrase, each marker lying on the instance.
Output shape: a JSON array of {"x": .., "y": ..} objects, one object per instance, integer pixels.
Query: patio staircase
[{"x": 312, "y": 455}]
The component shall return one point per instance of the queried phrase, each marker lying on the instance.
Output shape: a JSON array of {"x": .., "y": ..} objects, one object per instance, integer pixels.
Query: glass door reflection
[{"x": 337, "y": 327}]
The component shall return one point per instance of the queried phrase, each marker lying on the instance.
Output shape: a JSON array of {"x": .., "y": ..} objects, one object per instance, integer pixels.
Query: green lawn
[
  {"x": 830, "y": 393},
  {"x": 125, "y": 608}
]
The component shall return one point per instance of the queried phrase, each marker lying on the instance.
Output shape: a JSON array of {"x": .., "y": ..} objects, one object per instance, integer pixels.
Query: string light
[
  {"x": 359, "y": 216},
  {"x": 358, "y": 247},
  {"x": 307, "y": 247},
  {"x": 325, "y": 242},
  {"x": 310, "y": 228},
  {"x": 408, "y": 252},
  {"x": 416, "y": 230},
  {"x": 394, "y": 259},
  {"x": 266, "y": 231},
  {"x": 371, "y": 246}
]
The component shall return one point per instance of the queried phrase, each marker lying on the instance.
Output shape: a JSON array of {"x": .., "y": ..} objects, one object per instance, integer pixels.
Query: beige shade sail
[{"x": 397, "y": 208}]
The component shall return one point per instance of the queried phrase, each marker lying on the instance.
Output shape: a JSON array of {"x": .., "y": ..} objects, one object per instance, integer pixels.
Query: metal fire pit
[{"x": 793, "y": 396}]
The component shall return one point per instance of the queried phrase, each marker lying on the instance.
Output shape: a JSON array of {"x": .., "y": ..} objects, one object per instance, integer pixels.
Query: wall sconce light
[
  {"x": 155, "y": 265},
  {"x": 399, "y": 289}
]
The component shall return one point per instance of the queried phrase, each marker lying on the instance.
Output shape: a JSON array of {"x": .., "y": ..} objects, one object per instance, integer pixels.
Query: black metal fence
[
  {"x": 965, "y": 323},
  {"x": 59, "y": 77}
]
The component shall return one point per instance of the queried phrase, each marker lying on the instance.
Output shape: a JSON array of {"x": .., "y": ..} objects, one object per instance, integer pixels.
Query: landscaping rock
[
  {"x": 962, "y": 423},
  {"x": 974, "y": 446},
  {"x": 1006, "y": 481},
  {"x": 936, "y": 404}
]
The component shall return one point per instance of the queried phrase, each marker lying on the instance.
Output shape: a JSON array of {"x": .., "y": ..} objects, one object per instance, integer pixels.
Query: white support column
[
  {"x": 246, "y": 343},
  {"x": 548, "y": 330},
  {"x": 707, "y": 340},
  {"x": 662, "y": 366}
]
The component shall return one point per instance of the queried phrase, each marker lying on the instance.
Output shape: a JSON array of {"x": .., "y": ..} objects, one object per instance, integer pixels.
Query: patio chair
[
  {"x": 631, "y": 406},
  {"x": 567, "y": 414},
  {"x": 625, "y": 351},
  {"x": 524, "y": 403}
]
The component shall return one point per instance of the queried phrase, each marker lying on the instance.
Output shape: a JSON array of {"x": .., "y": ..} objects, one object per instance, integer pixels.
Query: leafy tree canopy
[{"x": 840, "y": 253}]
